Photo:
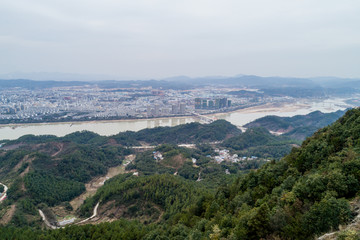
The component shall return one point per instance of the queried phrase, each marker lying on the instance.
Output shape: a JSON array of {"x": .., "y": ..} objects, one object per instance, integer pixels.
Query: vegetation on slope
[
  {"x": 170, "y": 193},
  {"x": 178, "y": 160},
  {"x": 186, "y": 133},
  {"x": 259, "y": 142},
  {"x": 50, "y": 170},
  {"x": 301, "y": 196},
  {"x": 298, "y": 127},
  {"x": 46, "y": 188}
]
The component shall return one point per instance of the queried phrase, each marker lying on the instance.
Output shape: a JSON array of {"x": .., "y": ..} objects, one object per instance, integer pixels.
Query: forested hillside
[
  {"x": 49, "y": 170},
  {"x": 303, "y": 195},
  {"x": 186, "y": 133},
  {"x": 261, "y": 143},
  {"x": 298, "y": 127}
]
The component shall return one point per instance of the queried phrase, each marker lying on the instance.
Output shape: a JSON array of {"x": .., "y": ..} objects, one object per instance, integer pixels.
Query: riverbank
[
  {"x": 76, "y": 121},
  {"x": 15, "y": 125},
  {"x": 110, "y": 127}
]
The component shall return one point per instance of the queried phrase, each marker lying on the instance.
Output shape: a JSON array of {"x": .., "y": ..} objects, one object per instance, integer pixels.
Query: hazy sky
[{"x": 162, "y": 38}]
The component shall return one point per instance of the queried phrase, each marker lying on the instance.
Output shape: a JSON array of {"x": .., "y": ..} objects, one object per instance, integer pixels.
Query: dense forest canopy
[
  {"x": 304, "y": 195},
  {"x": 186, "y": 133}
]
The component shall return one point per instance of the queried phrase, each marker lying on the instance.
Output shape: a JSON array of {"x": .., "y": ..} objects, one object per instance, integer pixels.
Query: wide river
[{"x": 107, "y": 128}]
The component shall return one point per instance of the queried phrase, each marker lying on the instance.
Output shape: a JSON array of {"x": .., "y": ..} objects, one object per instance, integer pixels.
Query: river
[{"x": 107, "y": 128}]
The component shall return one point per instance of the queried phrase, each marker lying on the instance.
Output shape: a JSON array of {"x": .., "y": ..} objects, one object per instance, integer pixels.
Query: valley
[
  {"x": 179, "y": 120},
  {"x": 149, "y": 180}
]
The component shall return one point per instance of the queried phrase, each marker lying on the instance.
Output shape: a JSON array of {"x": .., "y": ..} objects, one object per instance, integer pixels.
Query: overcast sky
[{"x": 161, "y": 38}]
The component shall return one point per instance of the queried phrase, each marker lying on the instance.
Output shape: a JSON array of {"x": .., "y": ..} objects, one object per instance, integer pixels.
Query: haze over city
[
  {"x": 159, "y": 39},
  {"x": 202, "y": 119}
]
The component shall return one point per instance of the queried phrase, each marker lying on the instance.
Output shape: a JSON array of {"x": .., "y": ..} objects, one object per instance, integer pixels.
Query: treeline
[
  {"x": 185, "y": 133},
  {"x": 82, "y": 137}
]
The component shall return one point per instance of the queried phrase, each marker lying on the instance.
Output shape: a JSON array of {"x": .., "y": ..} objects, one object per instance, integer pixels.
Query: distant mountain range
[{"x": 276, "y": 86}]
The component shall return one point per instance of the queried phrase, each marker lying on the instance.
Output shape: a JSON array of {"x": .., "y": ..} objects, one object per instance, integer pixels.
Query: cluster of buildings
[
  {"x": 88, "y": 103},
  {"x": 91, "y": 102},
  {"x": 224, "y": 155},
  {"x": 158, "y": 156},
  {"x": 156, "y": 110},
  {"x": 212, "y": 103}
]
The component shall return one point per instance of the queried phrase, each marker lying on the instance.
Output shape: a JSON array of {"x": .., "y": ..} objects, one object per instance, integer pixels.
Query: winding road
[
  {"x": 46, "y": 221},
  {"x": 94, "y": 214},
  {"x": 3, "y": 195}
]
